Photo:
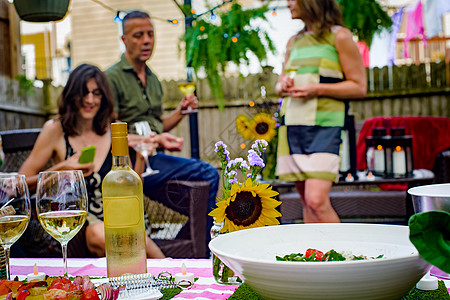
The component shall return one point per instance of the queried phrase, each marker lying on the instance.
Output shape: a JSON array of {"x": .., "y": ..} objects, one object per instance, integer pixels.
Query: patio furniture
[
  {"x": 186, "y": 203},
  {"x": 360, "y": 200}
]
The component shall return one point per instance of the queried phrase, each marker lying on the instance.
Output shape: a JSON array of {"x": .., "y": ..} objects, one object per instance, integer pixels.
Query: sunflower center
[
  {"x": 245, "y": 209},
  {"x": 262, "y": 127}
]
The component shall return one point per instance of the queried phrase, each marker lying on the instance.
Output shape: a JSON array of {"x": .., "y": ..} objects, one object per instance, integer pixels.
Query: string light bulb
[
  {"x": 274, "y": 12},
  {"x": 213, "y": 16},
  {"x": 117, "y": 18},
  {"x": 174, "y": 21}
]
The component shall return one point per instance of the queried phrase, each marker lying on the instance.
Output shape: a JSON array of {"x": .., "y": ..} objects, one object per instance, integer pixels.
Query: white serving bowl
[{"x": 251, "y": 254}]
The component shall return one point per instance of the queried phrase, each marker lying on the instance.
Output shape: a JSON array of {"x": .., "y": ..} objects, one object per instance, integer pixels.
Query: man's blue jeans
[{"x": 190, "y": 169}]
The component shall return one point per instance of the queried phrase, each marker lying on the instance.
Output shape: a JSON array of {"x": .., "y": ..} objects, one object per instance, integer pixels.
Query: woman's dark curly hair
[{"x": 72, "y": 96}]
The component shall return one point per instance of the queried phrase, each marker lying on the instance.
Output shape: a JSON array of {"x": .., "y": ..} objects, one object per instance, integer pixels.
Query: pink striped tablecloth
[{"x": 204, "y": 288}]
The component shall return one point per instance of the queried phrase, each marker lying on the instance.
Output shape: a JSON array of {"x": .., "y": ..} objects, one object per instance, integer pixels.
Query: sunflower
[
  {"x": 242, "y": 123},
  {"x": 247, "y": 206},
  {"x": 263, "y": 126}
]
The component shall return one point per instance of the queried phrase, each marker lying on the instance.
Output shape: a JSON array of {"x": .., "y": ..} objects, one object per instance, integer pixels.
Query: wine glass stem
[
  {"x": 64, "y": 253},
  {"x": 8, "y": 271}
]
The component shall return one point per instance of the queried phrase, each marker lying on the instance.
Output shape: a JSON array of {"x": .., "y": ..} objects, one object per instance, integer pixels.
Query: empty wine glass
[
  {"x": 15, "y": 211},
  {"x": 61, "y": 202},
  {"x": 187, "y": 88},
  {"x": 142, "y": 128}
]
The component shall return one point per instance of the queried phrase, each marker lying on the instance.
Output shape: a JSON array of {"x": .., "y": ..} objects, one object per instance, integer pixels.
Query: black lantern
[
  {"x": 400, "y": 154},
  {"x": 376, "y": 152},
  {"x": 41, "y": 10}
]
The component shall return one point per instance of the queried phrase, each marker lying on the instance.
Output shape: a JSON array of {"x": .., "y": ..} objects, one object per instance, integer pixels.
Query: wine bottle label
[{"x": 121, "y": 211}]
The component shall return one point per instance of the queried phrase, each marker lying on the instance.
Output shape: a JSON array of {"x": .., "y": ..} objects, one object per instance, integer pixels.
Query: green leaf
[
  {"x": 430, "y": 234},
  {"x": 210, "y": 46}
]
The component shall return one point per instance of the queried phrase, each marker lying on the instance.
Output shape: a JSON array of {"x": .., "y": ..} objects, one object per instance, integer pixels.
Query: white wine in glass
[
  {"x": 142, "y": 128},
  {"x": 187, "y": 88},
  {"x": 15, "y": 211},
  {"x": 61, "y": 205}
]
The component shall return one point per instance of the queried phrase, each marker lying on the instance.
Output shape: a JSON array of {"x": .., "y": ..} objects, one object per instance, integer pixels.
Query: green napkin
[
  {"x": 169, "y": 293},
  {"x": 244, "y": 292},
  {"x": 430, "y": 234}
]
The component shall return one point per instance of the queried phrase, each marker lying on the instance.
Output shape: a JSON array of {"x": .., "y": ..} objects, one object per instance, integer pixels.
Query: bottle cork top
[
  {"x": 119, "y": 139},
  {"x": 119, "y": 129}
]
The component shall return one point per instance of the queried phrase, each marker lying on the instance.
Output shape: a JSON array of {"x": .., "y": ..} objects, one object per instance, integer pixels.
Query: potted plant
[{"x": 41, "y": 10}]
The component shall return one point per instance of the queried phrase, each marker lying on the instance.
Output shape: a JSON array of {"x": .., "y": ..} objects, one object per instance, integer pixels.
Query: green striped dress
[{"x": 310, "y": 131}]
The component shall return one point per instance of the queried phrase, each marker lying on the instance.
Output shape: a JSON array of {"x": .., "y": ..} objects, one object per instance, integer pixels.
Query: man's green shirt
[{"x": 132, "y": 101}]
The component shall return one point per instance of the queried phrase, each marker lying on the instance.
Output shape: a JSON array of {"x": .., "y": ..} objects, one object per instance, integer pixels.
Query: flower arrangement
[{"x": 245, "y": 202}]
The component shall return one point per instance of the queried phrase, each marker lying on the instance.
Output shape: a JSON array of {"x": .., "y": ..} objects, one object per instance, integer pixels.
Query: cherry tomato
[
  {"x": 90, "y": 294},
  {"x": 318, "y": 255}
]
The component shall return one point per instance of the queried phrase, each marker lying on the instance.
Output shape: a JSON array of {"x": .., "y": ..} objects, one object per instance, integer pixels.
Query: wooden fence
[{"x": 422, "y": 90}]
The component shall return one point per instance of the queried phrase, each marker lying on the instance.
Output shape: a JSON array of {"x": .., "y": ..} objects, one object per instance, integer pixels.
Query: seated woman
[{"x": 85, "y": 114}]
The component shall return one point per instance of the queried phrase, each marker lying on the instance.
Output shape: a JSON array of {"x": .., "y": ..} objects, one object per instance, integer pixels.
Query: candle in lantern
[
  {"x": 349, "y": 178},
  {"x": 36, "y": 274},
  {"x": 399, "y": 161},
  {"x": 184, "y": 275},
  {"x": 379, "y": 159}
]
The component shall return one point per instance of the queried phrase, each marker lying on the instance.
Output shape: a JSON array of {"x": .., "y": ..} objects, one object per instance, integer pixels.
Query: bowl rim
[
  {"x": 413, "y": 255},
  {"x": 430, "y": 190}
]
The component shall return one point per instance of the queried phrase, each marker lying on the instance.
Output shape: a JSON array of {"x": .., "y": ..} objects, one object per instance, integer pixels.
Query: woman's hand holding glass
[
  {"x": 144, "y": 145},
  {"x": 61, "y": 205},
  {"x": 15, "y": 211}
]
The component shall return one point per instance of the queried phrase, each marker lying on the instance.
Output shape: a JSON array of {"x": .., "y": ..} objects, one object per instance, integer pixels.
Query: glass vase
[{"x": 221, "y": 272}]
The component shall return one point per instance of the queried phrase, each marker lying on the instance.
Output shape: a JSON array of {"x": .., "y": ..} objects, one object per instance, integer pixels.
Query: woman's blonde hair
[{"x": 321, "y": 14}]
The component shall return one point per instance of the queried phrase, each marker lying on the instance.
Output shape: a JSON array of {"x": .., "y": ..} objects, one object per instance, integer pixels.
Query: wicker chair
[{"x": 178, "y": 227}]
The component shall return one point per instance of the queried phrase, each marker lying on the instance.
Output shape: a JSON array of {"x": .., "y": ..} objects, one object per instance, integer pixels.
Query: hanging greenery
[
  {"x": 211, "y": 44},
  {"x": 364, "y": 18}
]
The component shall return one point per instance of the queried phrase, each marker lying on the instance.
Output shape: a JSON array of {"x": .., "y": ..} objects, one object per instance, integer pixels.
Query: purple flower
[
  {"x": 222, "y": 152},
  {"x": 254, "y": 159},
  {"x": 219, "y": 146},
  {"x": 244, "y": 165},
  {"x": 235, "y": 163}
]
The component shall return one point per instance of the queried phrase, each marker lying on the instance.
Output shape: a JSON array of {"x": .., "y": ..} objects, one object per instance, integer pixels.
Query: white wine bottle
[{"x": 123, "y": 211}]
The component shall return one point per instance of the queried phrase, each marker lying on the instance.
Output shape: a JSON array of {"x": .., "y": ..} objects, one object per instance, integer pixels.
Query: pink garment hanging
[
  {"x": 365, "y": 53},
  {"x": 414, "y": 25}
]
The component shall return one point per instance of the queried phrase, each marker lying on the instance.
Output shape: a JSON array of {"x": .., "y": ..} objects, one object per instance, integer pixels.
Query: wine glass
[
  {"x": 143, "y": 128},
  {"x": 187, "y": 88},
  {"x": 15, "y": 212},
  {"x": 61, "y": 202}
]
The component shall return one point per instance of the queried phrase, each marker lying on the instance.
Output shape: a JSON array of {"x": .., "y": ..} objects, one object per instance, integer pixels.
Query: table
[{"x": 204, "y": 288}]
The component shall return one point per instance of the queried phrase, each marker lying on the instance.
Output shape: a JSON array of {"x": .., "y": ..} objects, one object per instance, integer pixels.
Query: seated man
[{"x": 138, "y": 97}]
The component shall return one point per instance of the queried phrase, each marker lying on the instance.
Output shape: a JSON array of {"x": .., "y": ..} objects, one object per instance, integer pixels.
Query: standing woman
[{"x": 322, "y": 69}]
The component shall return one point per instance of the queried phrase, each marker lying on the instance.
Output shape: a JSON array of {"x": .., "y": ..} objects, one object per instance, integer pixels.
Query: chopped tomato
[
  {"x": 318, "y": 255},
  {"x": 90, "y": 294}
]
